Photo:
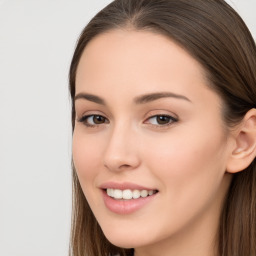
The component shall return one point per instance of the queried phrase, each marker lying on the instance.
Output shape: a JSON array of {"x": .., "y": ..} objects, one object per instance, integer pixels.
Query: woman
[{"x": 164, "y": 131}]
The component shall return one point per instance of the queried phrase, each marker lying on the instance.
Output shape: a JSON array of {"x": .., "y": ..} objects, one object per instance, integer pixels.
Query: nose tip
[
  {"x": 121, "y": 154},
  {"x": 117, "y": 164}
]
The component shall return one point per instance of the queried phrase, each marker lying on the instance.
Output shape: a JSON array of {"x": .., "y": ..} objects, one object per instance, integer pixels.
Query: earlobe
[{"x": 244, "y": 151}]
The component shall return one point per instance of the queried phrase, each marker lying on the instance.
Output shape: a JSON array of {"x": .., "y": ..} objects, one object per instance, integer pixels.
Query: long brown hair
[{"x": 215, "y": 35}]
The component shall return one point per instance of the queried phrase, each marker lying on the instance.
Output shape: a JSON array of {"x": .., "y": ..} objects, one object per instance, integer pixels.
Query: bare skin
[{"x": 145, "y": 115}]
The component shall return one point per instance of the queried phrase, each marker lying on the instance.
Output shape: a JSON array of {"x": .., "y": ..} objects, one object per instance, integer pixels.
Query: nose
[{"x": 122, "y": 151}]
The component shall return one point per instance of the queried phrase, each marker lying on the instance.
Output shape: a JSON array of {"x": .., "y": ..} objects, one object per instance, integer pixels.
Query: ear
[{"x": 244, "y": 150}]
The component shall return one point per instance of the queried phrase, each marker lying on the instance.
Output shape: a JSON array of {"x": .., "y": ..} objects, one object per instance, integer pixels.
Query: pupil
[
  {"x": 98, "y": 119},
  {"x": 162, "y": 119}
]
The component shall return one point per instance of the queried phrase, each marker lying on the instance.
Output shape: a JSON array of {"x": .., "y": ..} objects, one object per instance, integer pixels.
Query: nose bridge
[{"x": 121, "y": 151}]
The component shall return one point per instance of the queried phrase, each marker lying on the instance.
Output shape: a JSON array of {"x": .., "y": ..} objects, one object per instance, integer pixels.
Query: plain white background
[{"x": 37, "y": 39}]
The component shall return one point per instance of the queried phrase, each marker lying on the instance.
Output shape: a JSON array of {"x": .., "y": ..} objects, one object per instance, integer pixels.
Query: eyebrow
[
  {"x": 138, "y": 100},
  {"x": 90, "y": 97},
  {"x": 155, "y": 96}
]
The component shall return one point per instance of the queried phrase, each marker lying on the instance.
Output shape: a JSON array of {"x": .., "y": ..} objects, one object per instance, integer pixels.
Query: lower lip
[{"x": 125, "y": 206}]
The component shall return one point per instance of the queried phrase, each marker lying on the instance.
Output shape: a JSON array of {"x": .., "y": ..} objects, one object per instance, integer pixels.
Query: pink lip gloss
[{"x": 123, "y": 206}]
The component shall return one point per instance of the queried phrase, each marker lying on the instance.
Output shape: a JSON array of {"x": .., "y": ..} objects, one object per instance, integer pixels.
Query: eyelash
[
  {"x": 84, "y": 120},
  {"x": 171, "y": 120}
]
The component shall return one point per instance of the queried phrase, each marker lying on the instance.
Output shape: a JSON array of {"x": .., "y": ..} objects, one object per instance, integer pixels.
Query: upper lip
[{"x": 123, "y": 186}]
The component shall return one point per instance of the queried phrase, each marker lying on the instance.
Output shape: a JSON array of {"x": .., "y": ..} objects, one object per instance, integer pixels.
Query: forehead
[
  {"x": 134, "y": 48},
  {"x": 138, "y": 62}
]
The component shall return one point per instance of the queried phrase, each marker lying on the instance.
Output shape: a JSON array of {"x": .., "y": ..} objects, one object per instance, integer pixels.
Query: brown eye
[
  {"x": 162, "y": 120},
  {"x": 93, "y": 120},
  {"x": 98, "y": 119}
]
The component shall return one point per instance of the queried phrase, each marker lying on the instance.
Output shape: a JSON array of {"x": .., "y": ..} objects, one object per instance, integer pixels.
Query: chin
[{"x": 125, "y": 241}]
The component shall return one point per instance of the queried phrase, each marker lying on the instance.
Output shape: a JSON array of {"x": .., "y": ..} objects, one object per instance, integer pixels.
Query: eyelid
[
  {"x": 83, "y": 119},
  {"x": 158, "y": 113},
  {"x": 150, "y": 115},
  {"x": 82, "y": 114},
  {"x": 172, "y": 119}
]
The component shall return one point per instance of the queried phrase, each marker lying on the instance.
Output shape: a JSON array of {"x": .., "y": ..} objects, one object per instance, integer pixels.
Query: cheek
[
  {"x": 86, "y": 157},
  {"x": 188, "y": 162},
  {"x": 190, "y": 175}
]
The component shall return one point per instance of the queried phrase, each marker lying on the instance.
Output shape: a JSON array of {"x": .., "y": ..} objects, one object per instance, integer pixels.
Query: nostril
[
  {"x": 121, "y": 160},
  {"x": 125, "y": 166},
  {"x": 115, "y": 166}
]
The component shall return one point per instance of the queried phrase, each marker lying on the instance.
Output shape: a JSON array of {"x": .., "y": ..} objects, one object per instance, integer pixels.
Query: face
[{"x": 150, "y": 147}]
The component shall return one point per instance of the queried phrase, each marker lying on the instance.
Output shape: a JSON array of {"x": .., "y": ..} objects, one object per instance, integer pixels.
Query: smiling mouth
[{"x": 129, "y": 194}]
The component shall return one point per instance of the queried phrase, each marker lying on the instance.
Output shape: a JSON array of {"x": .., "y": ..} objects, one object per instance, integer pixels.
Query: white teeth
[
  {"x": 110, "y": 192},
  {"x": 118, "y": 194},
  {"x": 144, "y": 193},
  {"x": 128, "y": 194},
  {"x": 135, "y": 194}
]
